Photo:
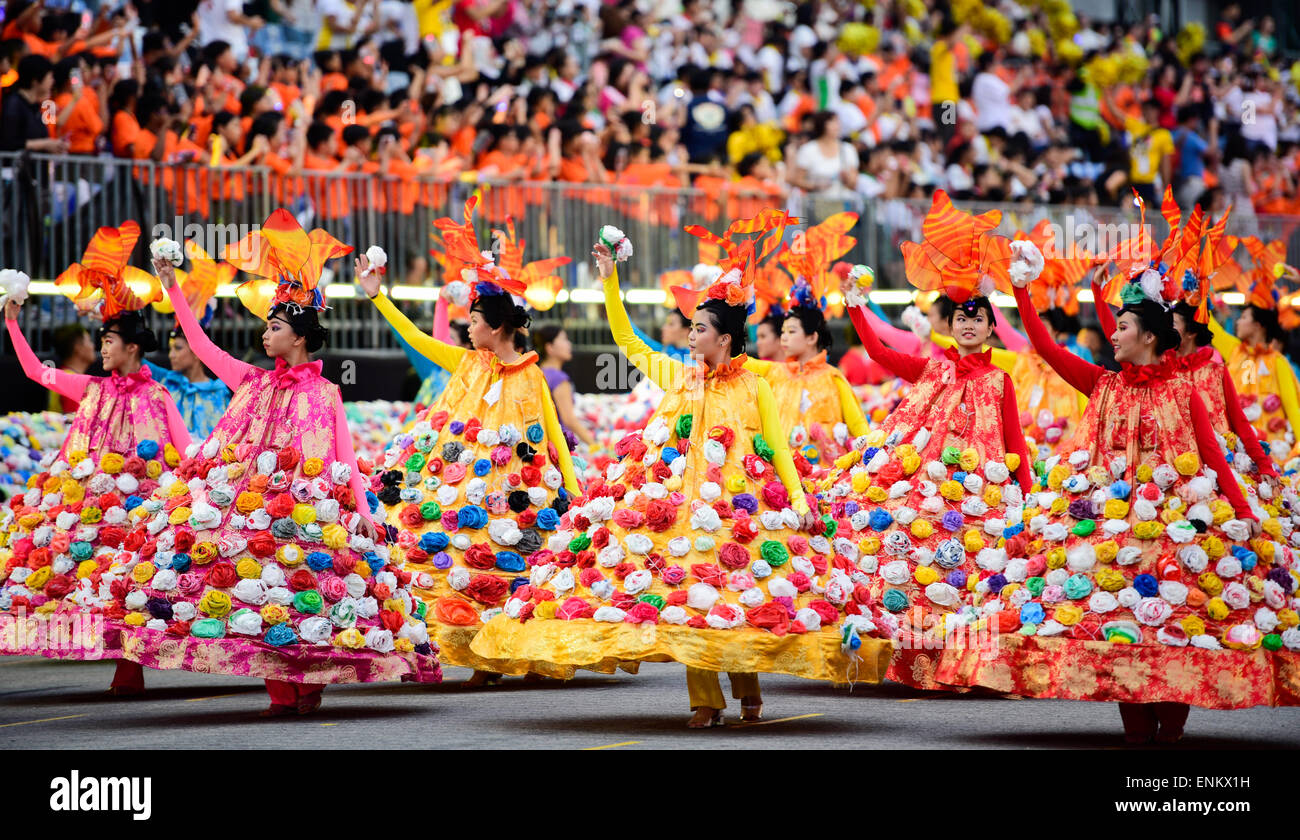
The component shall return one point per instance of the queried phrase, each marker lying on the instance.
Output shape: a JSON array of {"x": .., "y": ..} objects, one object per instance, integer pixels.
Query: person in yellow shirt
[
  {"x": 1265, "y": 381},
  {"x": 1151, "y": 153}
]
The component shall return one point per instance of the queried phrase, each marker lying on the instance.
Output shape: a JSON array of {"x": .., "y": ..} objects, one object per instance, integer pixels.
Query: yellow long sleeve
[
  {"x": 758, "y": 366},
  {"x": 1004, "y": 360},
  {"x": 1224, "y": 342},
  {"x": 851, "y": 408},
  {"x": 445, "y": 356},
  {"x": 1290, "y": 393},
  {"x": 662, "y": 369},
  {"x": 775, "y": 436},
  {"x": 555, "y": 433}
]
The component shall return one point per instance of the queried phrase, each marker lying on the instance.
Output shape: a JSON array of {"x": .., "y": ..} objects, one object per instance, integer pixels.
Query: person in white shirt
[
  {"x": 224, "y": 20},
  {"x": 991, "y": 96},
  {"x": 1258, "y": 113}
]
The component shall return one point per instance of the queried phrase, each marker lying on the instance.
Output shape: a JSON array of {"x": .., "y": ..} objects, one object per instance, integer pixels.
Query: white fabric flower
[{"x": 167, "y": 249}]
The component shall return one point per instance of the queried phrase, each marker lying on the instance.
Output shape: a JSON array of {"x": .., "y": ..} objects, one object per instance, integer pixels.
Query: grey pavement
[{"x": 62, "y": 705}]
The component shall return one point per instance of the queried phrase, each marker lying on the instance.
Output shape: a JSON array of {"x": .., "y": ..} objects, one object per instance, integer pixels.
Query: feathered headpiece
[
  {"x": 286, "y": 264},
  {"x": 478, "y": 268},
  {"x": 740, "y": 263},
  {"x": 103, "y": 276},
  {"x": 958, "y": 253}
]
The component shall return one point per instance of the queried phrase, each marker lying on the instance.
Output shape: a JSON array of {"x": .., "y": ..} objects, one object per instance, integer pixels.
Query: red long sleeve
[
  {"x": 1080, "y": 375},
  {"x": 1105, "y": 317},
  {"x": 1241, "y": 428},
  {"x": 900, "y": 364},
  {"x": 1013, "y": 440},
  {"x": 1212, "y": 457}
]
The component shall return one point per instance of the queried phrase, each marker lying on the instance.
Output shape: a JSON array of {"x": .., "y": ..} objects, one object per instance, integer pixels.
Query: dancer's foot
[
  {"x": 705, "y": 718},
  {"x": 481, "y": 678},
  {"x": 308, "y": 705},
  {"x": 278, "y": 710},
  {"x": 125, "y": 691},
  {"x": 751, "y": 709}
]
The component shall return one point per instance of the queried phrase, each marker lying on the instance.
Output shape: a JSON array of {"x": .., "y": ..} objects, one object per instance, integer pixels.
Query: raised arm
[
  {"x": 70, "y": 385},
  {"x": 662, "y": 369},
  {"x": 423, "y": 364},
  {"x": 1243, "y": 430},
  {"x": 1105, "y": 317},
  {"x": 227, "y": 368},
  {"x": 901, "y": 364},
  {"x": 776, "y": 435},
  {"x": 1080, "y": 375},
  {"x": 905, "y": 341},
  {"x": 1013, "y": 438},
  {"x": 555, "y": 434},
  {"x": 1224, "y": 341},
  {"x": 442, "y": 354},
  {"x": 851, "y": 408},
  {"x": 681, "y": 354},
  {"x": 1212, "y": 456}
]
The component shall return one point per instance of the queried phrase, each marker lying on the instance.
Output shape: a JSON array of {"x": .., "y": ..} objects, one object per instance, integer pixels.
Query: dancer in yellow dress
[
  {"x": 697, "y": 558},
  {"x": 476, "y": 485}
]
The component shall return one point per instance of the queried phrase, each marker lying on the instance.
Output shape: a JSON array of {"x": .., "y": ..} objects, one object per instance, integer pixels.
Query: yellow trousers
[{"x": 705, "y": 689}]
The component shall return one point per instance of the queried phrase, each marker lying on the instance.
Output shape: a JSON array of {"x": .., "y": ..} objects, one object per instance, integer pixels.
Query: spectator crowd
[{"x": 755, "y": 101}]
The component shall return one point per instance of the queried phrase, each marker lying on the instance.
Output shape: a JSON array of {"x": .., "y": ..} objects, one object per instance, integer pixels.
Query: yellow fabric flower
[
  {"x": 921, "y": 528},
  {"x": 86, "y": 568},
  {"x": 672, "y": 483},
  {"x": 546, "y": 609},
  {"x": 1210, "y": 582},
  {"x": 911, "y": 463},
  {"x": 203, "y": 553},
  {"x": 1222, "y": 511},
  {"x": 38, "y": 578},
  {"x": 877, "y": 494},
  {"x": 1057, "y": 476},
  {"x": 1213, "y": 547},
  {"x": 248, "y": 501},
  {"x": 992, "y": 495},
  {"x": 1059, "y": 506},
  {"x": 171, "y": 455},
  {"x": 228, "y": 453},
  {"x": 1116, "y": 508},
  {"x": 135, "y": 619},
  {"x": 289, "y": 555},
  {"x": 1068, "y": 614},
  {"x": 91, "y": 515},
  {"x": 952, "y": 490},
  {"x": 153, "y": 470},
  {"x": 215, "y": 603},
  {"x": 905, "y": 449},
  {"x": 31, "y": 520},
  {"x": 138, "y": 514},
  {"x": 1272, "y": 527},
  {"x": 1217, "y": 609},
  {"x": 736, "y": 483},
  {"x": 248, "y": 568},
  {"x": 395, "y": 605},
  {"x": 1144, "y": 473},
  {"x": 1192, "y": 625},
  {"x": 1106, "y": 551},
  {"x": 969, "y": 459},
  {"x": 1264, "y": 548},
  {"x": 143, "y": 572},
  {"x": 179, "y": 516},
  {"x": 363, "y": 568},
  {"x": 312, "y": 467},
  {"x": 73, "y": 492},
  {"x": 1008, "y": 590},
  {"x": 350, "y": 638},
  {"x": 972, "y": 541},
  {"x": 335, "y": 536},
  {"x": 1187, "y": 463},
  {"x": 1169, "y": 516},
  {"x": 925, "y": 575},
  {"x": 1110, "y": 579},
  {"x": 1148, "y": 530},
  {"x": 51, "y": 485},
  {"x": 47, "y": 608},
  {"x": 112, "y": 463},
  {"x": 177, "y": 489},
  {"x": 869, "y": 545},
  {"x": 875, "y": 437},
  {"x": 234, "y": 471},
  {"x": 1056, "y": 558},
  {"x": 403, "y": 645},
  {"x": 274, "y": 614},
  {"x": 1286, "y": 619},
  {"x": 76, "y": 456},
  {"x": 860, "y": 482},
  {"x": 303, "y": 514}
]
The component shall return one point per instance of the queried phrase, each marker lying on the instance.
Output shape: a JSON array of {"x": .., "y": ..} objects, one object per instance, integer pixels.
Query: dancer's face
[
  {"x": 795, "y": 342},
  {"x": 769, "y": 343},
  {"x": 180, "y": 355},
  {"x": 279, "y": 339},
  {"x": 706, "y": 343},
  {"x": 1132, "y": 343},
  {"x": 971, "y": 329},
  {"x": 116, "y": 353}
]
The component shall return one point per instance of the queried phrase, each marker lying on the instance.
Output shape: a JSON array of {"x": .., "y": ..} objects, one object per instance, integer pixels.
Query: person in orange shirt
[
  {"x": 755, "y": 189},
  {"x": 504, "y": 161},
  {"x": 329, "y": 195},
  {"x": 228, "y": 138},
  {"x": 649, "y": 168},
  {"x": 272, "y": 129},
  {"x": 285, "y": 81},
  {"x": 81, "y": 113},
  {"x": 331, "y": 65},
  {"x": 123, "y": 125}
]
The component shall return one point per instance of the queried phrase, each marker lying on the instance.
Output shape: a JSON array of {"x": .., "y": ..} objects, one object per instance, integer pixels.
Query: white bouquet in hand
[
  {"x": 617, "y": 242},
  {"x": 861, "y": 277},
  {"x": 377, "y": 258},
  {"x": 457, "y": 292},
  {"x": 1026, "y": 263},
  {"x": 13, "y": 286},
  {"x": 167, "y": 249},
  {"x": 914, "y": 319}
]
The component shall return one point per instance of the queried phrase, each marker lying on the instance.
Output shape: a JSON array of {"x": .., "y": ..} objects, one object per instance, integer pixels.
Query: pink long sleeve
[
  {"x": 905, "y": 341},
  {"x": 227, "y": 368},
  {"x": 70, "y": 385},
  {"x": 180, "y": 435},
  {"x": 344, "y": 452},
  {"x": 441, "y": 320},
  {"x": 1011, "y": 337}
]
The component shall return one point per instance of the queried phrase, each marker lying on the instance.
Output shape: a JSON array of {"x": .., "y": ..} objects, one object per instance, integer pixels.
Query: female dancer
[
  {"x": 126, "y": 432},
  {"x": 553, "y": 350},
  {"x": 1141, "y": 582},
  {"x": 266, "y": 561},
  {"x": 693, "y": 533},
  {"x": 474, "y": 487}
]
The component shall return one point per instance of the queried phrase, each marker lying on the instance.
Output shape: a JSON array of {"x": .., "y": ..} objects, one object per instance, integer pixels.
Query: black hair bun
[{"x": 501, "y": 310}]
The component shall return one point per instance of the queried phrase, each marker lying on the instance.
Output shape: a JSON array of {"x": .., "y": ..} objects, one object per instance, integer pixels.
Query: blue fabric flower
[
  {"x": 434, "y": 541},
  {"x": 515, "y": 583},
  {"x": 441, "y": 560},
  {"x": 1146, "y": 585},
  {"x": 1032, "y": 613},
  {"x": 147, "y": 449},
  {"x": 669, "y": 454},
  {"x": 376, "y": 562},
  {"x": 952, "y": 520},
  {"x": 851, "y": 508},
  {"x": 456, "y": 427},
  {"x": 372, "y": 502},
  {"x": 319, "y": 561},
  {"x": 956, "y": 579},
  {"x": 547, "y": 519},
  {"x": 472, "y": 517},
  {"x": 880, "y": 519},
  {"x": 1011, "y": 530},
  {"x": 959, "y": 477},
  {"x": 132, "y": 502},
  {"x": 482, "y": 467},
  {"x": 509, "y": 561},
  {"x": 181, "y": 561},
  {"x": 281, "y": 634},
  {"x": 1120, "y": 490},
  {"x": 535, "y": 433},
  {"x": 1245, "y": 556}
]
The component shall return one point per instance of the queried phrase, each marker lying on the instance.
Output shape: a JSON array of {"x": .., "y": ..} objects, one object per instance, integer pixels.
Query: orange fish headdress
[
  {"x": 740, "y": 261},
  {"x": 958, "y": 253},
  {"x": 541, "y": 285},
  {"x": 478, "y": 268},
  {"x": 286, "y": 263},
  {"x": 104, "y": 278},
  {"x": 1064, "y": 265},
  {"x": 811, "y": 256}
]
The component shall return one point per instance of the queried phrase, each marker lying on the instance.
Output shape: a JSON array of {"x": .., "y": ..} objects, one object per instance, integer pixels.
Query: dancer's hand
[
  {"x": 1255, "y": 528},
  {"x": 11, "y": 310},
  {"x": 368, "y": 280},
  {"x": 604, "y": 260},
  {"x": 366, "y": 528},
  {"x": 166, "y": 272}
]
